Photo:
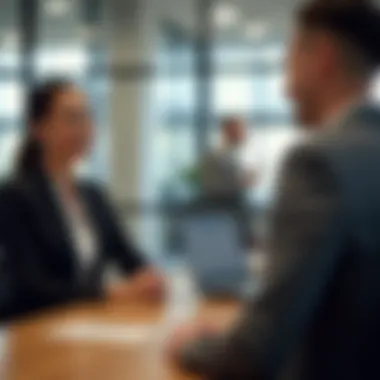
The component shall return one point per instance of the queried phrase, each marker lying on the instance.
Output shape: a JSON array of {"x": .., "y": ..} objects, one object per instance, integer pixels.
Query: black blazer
[{"x": 40, "y": 255}]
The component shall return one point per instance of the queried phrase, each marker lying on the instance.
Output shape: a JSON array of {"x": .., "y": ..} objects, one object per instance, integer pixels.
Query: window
[
  {"x": 232, "y": 94},
  {"x": 65, "y": 61},
  {"x": 9, "y": 147},
  {"x": 11, "y": 95},
  {"x": 172, "y": 137},
  {"x": 249, "y": 83},
  {"x": 9, "y": 59}
]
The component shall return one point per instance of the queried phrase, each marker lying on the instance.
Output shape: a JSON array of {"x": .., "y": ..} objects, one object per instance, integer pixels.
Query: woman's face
[{"x": 66, "y": 133}]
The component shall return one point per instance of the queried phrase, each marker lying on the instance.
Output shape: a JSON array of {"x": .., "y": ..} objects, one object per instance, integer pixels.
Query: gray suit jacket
[{"x": 318, "y": 317}]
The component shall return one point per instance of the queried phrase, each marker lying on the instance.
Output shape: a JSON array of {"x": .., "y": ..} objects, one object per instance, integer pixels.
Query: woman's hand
[{"x": 147, "y": 285}]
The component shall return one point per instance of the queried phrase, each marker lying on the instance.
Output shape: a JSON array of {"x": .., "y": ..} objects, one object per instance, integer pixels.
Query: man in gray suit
[{"x": 318, "y": 316}]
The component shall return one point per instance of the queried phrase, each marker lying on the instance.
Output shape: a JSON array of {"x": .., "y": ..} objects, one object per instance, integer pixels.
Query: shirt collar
[{"x": 338, "y": 118}]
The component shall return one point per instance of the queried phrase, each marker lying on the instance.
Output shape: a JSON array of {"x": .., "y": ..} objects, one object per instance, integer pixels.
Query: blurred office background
[{"x": 161, "y": 74}]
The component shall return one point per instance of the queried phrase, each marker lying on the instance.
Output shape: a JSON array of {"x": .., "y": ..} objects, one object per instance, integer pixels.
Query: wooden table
[{"x": 38, "y": 350}]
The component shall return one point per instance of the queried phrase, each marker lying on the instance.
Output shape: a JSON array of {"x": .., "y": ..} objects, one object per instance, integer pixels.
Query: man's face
[
  {"x": 308, "y": 69},
  {"x": 235, "y": 132}
]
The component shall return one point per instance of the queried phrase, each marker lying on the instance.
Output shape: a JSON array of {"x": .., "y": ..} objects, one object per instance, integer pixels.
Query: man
[
  {"x": 222, "y": 175},
  {"x": 224, "y": 180},
  {"x": 318, "y": 317}
]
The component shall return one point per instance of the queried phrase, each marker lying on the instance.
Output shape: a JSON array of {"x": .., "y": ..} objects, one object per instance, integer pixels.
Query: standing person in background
[
  {"x": 59, "y": 232},
  {"x": 225, "y": 182},
  {"x": 317, "y": 316},
  {"x": 223, "y": 178}
]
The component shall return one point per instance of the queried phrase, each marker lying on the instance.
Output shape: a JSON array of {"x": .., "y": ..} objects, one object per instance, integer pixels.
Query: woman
[{"x": 60, "y": 233}]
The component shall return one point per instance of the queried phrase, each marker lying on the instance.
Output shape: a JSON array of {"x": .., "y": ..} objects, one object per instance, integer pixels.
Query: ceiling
[
  {"x": 266, "y": 8},
  {"x": 254, "y": 19},
  {"x": 59, "y": 20},
  {"x": 257, "y": 19},
  {"x": 8, "y": 12}
]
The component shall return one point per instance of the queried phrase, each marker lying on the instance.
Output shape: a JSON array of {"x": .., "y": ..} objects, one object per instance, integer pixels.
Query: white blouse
[{"x": 80, "y": 228}]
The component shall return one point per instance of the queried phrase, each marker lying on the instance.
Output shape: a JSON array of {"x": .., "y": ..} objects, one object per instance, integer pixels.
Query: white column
[
  {"x": 134, "y": 28},
  {"x": 126, "y": 61}
]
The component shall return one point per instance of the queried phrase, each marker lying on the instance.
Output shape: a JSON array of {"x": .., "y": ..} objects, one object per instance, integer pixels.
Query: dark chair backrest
[
  {"x": 214, "y": 252},
  {"x": 6, "y": 283}
]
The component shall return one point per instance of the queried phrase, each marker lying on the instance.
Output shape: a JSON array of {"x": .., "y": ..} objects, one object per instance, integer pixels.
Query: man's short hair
[
  {"x": 228, "y": 120},
  {"x": 354, "y": 23}
]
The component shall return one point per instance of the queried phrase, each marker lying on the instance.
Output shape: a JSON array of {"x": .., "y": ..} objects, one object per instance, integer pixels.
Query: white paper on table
[
  {"x": 103, "y": 333},
  {"x": 3, "y": 352}
]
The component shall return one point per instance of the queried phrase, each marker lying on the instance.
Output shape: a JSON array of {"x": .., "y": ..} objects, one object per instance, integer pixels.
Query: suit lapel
[
  {"x": 95, "y": 217},
  {"x": 93, "y": 213},
  {"x": 368, "y": 115},
  {"x": 49, "y": 217}
]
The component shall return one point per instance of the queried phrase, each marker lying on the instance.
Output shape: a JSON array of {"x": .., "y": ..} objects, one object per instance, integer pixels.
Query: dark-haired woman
[{"x": 60, "y": 233}]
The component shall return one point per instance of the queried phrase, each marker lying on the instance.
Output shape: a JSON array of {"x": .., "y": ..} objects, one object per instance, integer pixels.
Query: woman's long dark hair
[{"x": 39, "y": 104}]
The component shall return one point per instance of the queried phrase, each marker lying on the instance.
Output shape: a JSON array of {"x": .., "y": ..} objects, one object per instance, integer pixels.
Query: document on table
[
  {"x": 3, "y": 352},
  {"x": 104, "y": 333}
]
